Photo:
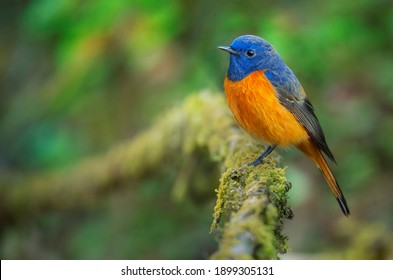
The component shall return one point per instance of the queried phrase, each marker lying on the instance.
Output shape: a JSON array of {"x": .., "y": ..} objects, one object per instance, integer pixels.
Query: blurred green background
[{"x": 79, "y": 77}]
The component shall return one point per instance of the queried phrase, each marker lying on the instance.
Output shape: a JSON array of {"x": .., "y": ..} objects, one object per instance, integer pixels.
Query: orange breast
[{"x": 255, "y": 106}]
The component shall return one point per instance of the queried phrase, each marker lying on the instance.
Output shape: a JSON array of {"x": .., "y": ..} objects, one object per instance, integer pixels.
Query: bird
[{"x": 268, "y": 102}]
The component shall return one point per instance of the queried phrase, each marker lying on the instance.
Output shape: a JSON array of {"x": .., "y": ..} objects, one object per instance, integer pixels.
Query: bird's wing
[{"x": 292, "y": 97}]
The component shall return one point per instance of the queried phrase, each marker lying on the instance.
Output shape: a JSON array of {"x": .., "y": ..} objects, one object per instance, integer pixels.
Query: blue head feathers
[{"x": 251, "y": 53}]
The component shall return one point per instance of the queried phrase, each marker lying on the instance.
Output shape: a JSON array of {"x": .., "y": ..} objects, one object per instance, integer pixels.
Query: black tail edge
[{"x": 343, "y": 205}]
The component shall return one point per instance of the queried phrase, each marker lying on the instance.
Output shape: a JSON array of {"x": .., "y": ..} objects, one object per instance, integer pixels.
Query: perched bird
[{"x": 268, "y": 102}]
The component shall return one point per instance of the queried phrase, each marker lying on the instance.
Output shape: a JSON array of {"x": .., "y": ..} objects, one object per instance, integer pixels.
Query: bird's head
[{"x": 250, "y": 53}]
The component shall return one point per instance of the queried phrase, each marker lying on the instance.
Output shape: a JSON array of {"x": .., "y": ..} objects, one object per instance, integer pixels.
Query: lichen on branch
[
  {"x": 254, "y": 199},
  {"x": 251, "y": 201}
]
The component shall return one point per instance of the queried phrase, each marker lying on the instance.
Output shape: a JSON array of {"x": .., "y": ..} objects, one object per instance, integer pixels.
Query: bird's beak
[{"x": 227, "y": 49}]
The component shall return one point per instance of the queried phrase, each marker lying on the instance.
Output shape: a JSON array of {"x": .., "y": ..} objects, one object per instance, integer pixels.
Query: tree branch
[{"x": 251, "y": 199}]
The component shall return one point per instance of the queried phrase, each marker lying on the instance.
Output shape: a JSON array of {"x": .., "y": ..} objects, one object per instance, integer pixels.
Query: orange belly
[{"x": 255, "y": 106}]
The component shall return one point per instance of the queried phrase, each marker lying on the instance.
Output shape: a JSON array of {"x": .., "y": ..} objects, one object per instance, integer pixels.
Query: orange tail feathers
[{"x": 315, "y": 154}]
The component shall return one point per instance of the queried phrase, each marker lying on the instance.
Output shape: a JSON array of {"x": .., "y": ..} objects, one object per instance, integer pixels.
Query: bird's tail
[{"x": 315, "y": 154}]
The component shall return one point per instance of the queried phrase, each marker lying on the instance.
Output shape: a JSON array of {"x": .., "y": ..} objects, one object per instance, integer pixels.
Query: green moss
[{"x": 254, "y": 200}]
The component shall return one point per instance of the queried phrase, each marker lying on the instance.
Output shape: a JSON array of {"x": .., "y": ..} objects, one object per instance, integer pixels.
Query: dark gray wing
[{"x": 294, "y": 99}]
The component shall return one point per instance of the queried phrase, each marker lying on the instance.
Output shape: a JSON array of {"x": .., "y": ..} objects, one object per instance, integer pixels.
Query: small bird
[{"x": 268, "y": 102}]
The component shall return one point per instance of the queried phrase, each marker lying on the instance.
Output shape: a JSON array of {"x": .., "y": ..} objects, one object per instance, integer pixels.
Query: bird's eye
[{"x": 250, "y": 53}]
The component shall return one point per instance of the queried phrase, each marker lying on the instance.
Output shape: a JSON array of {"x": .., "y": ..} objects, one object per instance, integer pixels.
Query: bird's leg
[{"x": 265, "y": 153}]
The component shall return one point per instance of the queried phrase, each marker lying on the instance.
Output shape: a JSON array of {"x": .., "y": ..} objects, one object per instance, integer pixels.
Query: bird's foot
[
  {"x": 265, "y": 153},
  {"x": 256, "y": 162}
]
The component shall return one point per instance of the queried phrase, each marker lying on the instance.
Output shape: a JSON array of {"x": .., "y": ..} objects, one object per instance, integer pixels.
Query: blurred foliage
[{"x": 79, "y": 77}]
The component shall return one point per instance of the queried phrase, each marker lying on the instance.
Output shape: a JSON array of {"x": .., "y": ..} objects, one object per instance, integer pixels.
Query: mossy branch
[
  {"x": 256, "y": 199},
  {"x": 252, "y": 199},
  {"x": 201, "y": 121}
]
